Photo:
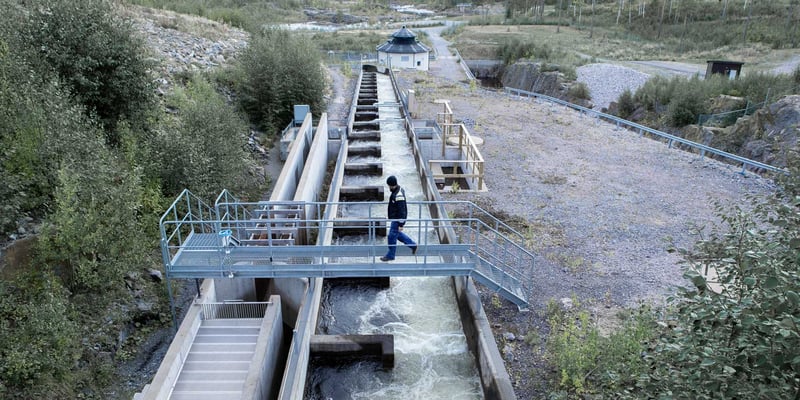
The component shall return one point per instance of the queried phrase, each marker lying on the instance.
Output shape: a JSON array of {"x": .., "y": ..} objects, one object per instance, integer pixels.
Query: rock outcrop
[
  {"x": 769, "y": 135},
  {"x": 532, "y": 77},
  {"x": 543, "y": 79}
]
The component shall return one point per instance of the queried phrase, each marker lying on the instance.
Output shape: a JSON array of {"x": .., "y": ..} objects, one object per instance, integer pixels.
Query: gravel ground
[
  {"x": 606, "y": 82},
  {"x": 603, "y": 205}
]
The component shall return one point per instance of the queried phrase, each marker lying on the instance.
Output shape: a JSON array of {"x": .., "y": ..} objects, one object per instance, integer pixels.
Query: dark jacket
[{"x": 397, "y": 206}]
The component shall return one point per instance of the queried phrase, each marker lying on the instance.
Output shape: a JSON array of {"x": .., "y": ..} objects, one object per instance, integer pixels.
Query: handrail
[
  {"x": 481, "y": 235},
  {"x": 234, "y": 309},
  {"x": 619, "y": 121}
]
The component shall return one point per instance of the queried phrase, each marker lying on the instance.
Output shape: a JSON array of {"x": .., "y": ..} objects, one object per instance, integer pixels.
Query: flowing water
[{"x": 432, "y": 360}]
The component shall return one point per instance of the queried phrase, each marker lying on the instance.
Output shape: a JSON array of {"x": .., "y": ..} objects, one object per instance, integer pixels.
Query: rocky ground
[{"x": 603, "y": 207}]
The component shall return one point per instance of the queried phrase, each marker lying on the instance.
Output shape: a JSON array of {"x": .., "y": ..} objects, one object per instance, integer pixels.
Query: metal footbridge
[{"x": 236, "y": 239}]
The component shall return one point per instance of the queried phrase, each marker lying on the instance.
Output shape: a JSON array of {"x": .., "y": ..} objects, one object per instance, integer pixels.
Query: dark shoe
[
  {"x": 384, "y": 258},
  {"x": 414, "y": 251}
]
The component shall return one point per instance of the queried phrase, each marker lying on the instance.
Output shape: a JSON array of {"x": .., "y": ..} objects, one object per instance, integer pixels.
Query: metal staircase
[{"x": 239, "y": 239}]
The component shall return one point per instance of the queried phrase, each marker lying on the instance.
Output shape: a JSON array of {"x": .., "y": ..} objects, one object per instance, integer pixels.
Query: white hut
[{"x": 404, "y": 51}]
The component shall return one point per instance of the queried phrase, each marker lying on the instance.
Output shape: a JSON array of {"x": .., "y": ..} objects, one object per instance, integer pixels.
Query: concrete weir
[{"x": 287, "y": 336}]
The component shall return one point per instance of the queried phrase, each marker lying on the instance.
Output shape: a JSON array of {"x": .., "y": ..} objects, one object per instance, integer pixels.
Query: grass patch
[{"x": 586, "y": 362}]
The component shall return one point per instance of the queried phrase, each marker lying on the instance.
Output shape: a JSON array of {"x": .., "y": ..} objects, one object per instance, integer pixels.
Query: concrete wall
[
  {"x": 235, "y": 289},
  {"x": 287, "y": 182},
  {"x": 161, "y": 385},
  {"x": 494, "y": 377},
  {"x": 307, "y": 300},
  {"x": 263, "y": 372},
  {"x": 292, "y": 292},
  {"x": 311, "y": 182}
]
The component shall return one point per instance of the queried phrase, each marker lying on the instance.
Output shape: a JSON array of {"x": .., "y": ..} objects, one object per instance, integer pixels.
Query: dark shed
[{"x": 732, "y": 69}]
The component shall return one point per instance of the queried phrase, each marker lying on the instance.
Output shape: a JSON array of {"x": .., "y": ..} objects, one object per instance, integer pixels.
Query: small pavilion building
[{"x": 404, "y": 51}]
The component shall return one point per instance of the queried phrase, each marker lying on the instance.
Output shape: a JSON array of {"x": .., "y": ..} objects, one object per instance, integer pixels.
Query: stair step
[
  {"x": 209, "y": 386},
  {"x": 213, "y": 375},
  {"x": 225, "y": 339},
  {"x": 228, "y": 330},
  {"x": 219, "y": 356},
  {"x": 233, "y": 322},
  {"x": 216, "y": 366},
  {"x": 222, "y": 347},
  {"x": 196, "y": 395}
]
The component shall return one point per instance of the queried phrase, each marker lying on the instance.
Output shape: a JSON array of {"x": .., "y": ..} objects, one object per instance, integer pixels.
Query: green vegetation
[
  {"x": 734, "y": 334},
  {"x": 87, "y": 151},
  {"x": 250, "y": 15},
  {"x": 279, "y": 70},
  {"x": 682, "y": 26},
  {"x": 586, "y": 361},
  {"x": 685, "y": 99},
  {"x": 95, "y": 56}
]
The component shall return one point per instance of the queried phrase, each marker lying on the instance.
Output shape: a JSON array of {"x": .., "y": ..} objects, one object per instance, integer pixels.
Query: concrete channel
[{"x": 283, "y": 352}]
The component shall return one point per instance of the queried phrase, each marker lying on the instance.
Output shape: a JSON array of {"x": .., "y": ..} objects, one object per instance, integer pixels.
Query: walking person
[{"x": 397, "y": 214}]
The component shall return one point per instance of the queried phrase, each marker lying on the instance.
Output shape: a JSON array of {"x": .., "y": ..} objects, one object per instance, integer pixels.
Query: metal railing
[
  {"x": 671, "y": 139},
  {"x": 234, "y": 309},
  {"x": 500, "y": 249},
  {"x": 187, "y": 215},
  {"x": 470, "y": 158}
]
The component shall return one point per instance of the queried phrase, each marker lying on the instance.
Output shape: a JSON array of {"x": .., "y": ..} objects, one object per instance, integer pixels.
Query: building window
[{"x": 404, "y": 58}]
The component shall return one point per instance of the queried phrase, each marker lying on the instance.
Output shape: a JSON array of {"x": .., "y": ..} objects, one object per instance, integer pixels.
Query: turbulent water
[{"x": 432, "y": 360}]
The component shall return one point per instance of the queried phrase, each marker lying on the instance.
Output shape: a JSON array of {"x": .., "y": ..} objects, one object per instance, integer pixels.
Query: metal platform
[{"x": 261, "y": 240}]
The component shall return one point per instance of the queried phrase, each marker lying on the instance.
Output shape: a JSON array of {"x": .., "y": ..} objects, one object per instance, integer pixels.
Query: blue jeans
[{"x": 395, "y": 235}]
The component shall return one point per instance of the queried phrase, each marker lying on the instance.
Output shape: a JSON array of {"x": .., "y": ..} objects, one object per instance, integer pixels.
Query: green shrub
[
  {"x": 39, "y": 343},
  {"x": 204, "y": 148},
  {"x": 586, "y": 362},
  {"x": 625, "y": 104},
  {"x": 579, "y": 90},
  {"x": 92, "y": 50},
  {"x": 279, "y": 70},
  {"x": 684, "y": 109},
  {"x": 738, "y": 338}
]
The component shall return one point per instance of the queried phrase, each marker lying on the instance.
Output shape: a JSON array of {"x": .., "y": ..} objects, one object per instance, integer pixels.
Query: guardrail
[
  {"x": 671, "y": 139},
  {"x": 234, "y": 309},
  {"x": 463, "y": 64}
]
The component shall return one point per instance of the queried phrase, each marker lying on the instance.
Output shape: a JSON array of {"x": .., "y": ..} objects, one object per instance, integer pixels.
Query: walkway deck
[{"x": 196, "y": 243}]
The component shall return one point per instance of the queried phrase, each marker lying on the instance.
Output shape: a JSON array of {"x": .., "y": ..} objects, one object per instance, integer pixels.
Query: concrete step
[
  {"x": 233, "y": 322},
  {"x": 216, "y": 366},
  {"x": 210, "y": 386},
  {"x": 228, "y": 330},
  {"x": 245, "y": 338},
  {"x": 219, "y": 356},
  {"x": 223, "y": 347},
  {"x": 198, "y": 395},
  {"x": 213, "y": 375}
]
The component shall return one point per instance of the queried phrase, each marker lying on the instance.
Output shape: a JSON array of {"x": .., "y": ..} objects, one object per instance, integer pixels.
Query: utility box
[
  {"x": 300, "y": 112},
  {"x": 731, "y": 69},
  {"x": 290, "y": 132}
]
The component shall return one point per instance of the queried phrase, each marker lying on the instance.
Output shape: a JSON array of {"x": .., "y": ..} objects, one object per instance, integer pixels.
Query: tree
[
  {"x": 279, "y": 70},
  {"x": 39, "y": 342},
  {"x": 91, "y": 49},
  {"x": 204, "y": 148}
]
